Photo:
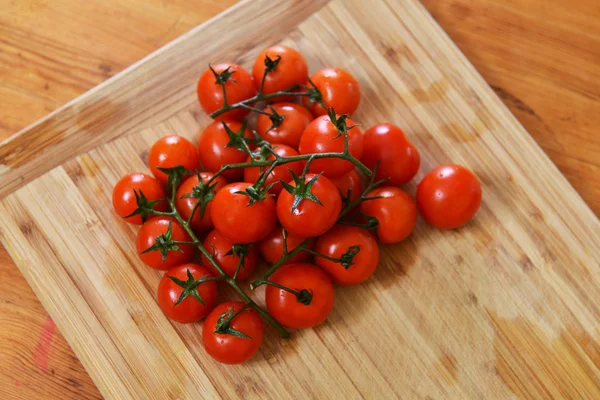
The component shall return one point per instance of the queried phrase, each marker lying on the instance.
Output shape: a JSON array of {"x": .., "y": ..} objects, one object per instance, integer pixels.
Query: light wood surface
[{"x": 537, "y": 340}]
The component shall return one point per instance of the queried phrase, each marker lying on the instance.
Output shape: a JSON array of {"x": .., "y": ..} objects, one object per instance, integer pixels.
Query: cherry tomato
[
  {"x": 185, "y": 205},
  {"x": 124, "y": 200},
  {"x": 218, "y": 245},
  {"x": 271, "y": 247},
  {"x": 189, "y": 309},
  {"x": 310, "y": 218},
  {"x": 238, "y": 88},
  {"x": 237, "y": 219},
  {"x": 349, "y": 184},
  {"x": 289, "y": 130},
  {"x": 214, "y": 152},
  {"x": 229, "y": 348},
  {"x": 448, "y": 196},
  {"x": 321, "y": 136},
  {"x": 290, "y": 71},
  {"x": 169, "y": 152},
  {"x": 279, "y": 173},
  {"x": 146, "y": 238},
  {"x": 339, "y": 90},
  {"x": 315, "y": 289},
  {"x": 337, "y": 243},
  {"x": 398, "y": 158},
  {"x": 395, "y": 210}
]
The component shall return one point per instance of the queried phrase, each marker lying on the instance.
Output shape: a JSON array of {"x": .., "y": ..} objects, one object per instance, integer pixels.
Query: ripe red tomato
[
  {"x": 185, "y": 205},
  {"x": 271, "y": 247},
  {"x": 306, "y": 279},
  {"x": 398, "y": 158},
  {"x": 238, "y": 88},
  {"x": 214, "y": 152},
  {"x": 337, "y": 242},
  {"x": 146, "y": 238},
  {"x": 321, "y": 136},
  {"x": 448, "y": 196},
  {"x": 289, "y": 131},
  {"x": 395, "y": 210},
  {"x": 230, "y": 348},
  {"x": 279, "y": 173},
  {"x": 310, "y": 218},
  {"x": 169, "y": 152},
  {"x": 349, "y": 184},
  {"x": 124, "y": 199},
  {"x": 339, "y": 90},
  {"x": 237, "y": 219},
  {"x": 291, "y": 69},
  {"x": 189, "y": 309},
  {"x": 218, "y": 245}
]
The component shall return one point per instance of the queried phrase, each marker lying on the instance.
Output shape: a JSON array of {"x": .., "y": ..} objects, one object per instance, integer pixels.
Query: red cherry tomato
[
  {"x": 321, "y": 136},
  {"x": 238, "y": 88},
  {"x": 218, "y": 245},
  {"x": 214, "y": 152},
  {"x": 448, "y": 196},
  {"x": 310, "y": 218},
  {"x": 185, "y": 205},
  {"x": 189, "y": 309},
  {"x": 169, "y": 152},
  {"x": 290, "y": 71},
  {"x": 398, "y": 158},
  {"x": 271, "y": 247},
  {"x": 146, "y": 238},
  {"x": 315, "y": 289},
  {"x": 339, "y": 90},
  {"x": 289, "y": 130},
  {"x": 349, "y": 184},
  {"x": 237, "y": 219},
  {"x": 395, "y": 210},
  {"x": 124, "y": 200},
  {"x": 280, "y": 173},
  {"x": 339, "y": 241},
  {"x": 230, "y": 348}
]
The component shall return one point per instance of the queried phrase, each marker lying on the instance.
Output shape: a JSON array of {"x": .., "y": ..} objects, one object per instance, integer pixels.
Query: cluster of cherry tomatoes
[{"x": 304, "y": 171}]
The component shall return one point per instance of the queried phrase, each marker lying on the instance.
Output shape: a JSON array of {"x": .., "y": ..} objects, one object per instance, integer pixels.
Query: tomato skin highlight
[
  {"x": 271, "y": 247},
  {"x": 295, "y": 119},
  {"x": 280, "y": 173},
  {"x": 398, "y": 159},
  {"x": 349, "y": 183},
  {"x": 448, "y": 196},
  {"x": 337, "y": 241},
  {"x": 185, "y": 205},
  {"x": 213, "y": 150},
  {"x": 339, "y": 90},
  {"x": 146, "y": 238},
  {"x": 286, "y": 308},
  {"x": 239, "y": 88},
  {"x": 310, "y": 219},
  {"x": 395, "y": 210},
  {"x": 321, "y": 136},
  {"x": 291, "y": 70},
  {"x": 218, "y": 245},
  {"x": 230, "y": 349},
  {"x": 123, "y": 195},
  {"x": 240, "y": 222},
  {"x": 190, "y": 309},
  {"x": 169, "y": 152}
]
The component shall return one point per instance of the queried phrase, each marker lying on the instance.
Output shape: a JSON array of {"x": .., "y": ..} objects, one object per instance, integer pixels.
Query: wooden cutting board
[{"x": 505, "y": 306}]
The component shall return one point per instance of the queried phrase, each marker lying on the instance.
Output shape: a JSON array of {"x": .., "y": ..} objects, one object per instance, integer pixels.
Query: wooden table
[{"x": 542, "y": 59}]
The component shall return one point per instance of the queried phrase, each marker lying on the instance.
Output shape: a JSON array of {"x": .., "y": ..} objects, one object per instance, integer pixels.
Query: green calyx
[
  {"x": 254, "y": 194},
  {"x": 145, "y": 207},
  {"x": 304, "y": 296},
  {"x": 271, "y": 64},
  {"x": 204, "y": 192},
  {"x": 164, "y": 243},
  {"x": 339, "y": 122},
  {"x": 313, "y": 94},
  {"x": 301, "y": 190},
  {"x": 347, "y": 259},
  {"x": 239, "y": 250},
  {"x": 237, "y": 139},
  {"x": 175, "y": 175},
  {"x": 223, "y": 325},
  {"x": 190, "y": 287},
  {"x": 222, "y": 77}
]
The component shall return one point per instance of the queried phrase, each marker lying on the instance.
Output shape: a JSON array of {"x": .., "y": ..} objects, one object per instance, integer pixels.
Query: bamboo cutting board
[{"x": 506, "y": 306}]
